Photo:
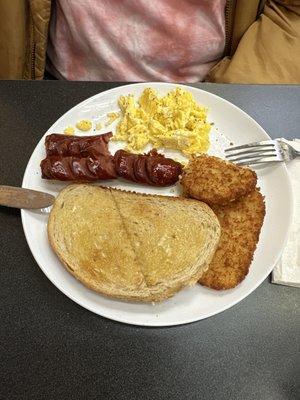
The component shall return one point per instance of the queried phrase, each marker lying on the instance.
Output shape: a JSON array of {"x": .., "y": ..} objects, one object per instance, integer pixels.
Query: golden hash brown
[
  {"x": 216, "y": 181},
  {"x": 241, "y": 222}
]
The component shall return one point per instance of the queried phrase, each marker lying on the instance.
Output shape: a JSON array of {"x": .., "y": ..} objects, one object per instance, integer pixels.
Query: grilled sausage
[
  {"x": 140, "y": 170},
  {"x": 124, "y": 164},
  {"x": 152, "y": 168},
  {"x": 77, "y": 169},
  {"x": 76, "y": 158},
  {"x": 163, "y": 171},
  {"x": 77, "y": 146}
]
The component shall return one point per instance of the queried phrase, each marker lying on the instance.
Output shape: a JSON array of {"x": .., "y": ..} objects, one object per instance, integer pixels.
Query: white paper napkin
[{"x": 287, "y": 271}]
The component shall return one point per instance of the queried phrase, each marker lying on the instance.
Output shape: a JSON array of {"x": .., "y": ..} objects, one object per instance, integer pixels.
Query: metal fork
[{"x": 262, "y": 152}]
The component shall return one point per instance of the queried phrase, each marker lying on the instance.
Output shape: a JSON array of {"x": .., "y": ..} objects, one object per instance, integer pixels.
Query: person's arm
[{"x": 269, "y": 51}]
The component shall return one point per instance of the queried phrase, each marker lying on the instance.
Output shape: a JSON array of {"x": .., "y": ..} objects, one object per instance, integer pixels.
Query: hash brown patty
[
  {"x": 241, "y": 222},
  {"x": 216, "y": 181}
]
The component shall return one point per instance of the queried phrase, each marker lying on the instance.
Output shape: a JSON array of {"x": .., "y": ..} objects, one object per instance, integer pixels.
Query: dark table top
[{"x": 51, "y": 348}]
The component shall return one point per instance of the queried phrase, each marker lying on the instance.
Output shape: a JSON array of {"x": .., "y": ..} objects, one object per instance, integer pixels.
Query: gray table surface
[{"x": 51, "y": 348}]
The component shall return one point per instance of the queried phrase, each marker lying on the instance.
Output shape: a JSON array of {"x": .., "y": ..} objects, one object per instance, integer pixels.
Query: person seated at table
[{"x": 160, "y": 40}]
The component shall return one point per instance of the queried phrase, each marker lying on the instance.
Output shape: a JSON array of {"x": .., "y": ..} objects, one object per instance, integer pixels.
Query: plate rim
[{"x": 161, "y": 323}]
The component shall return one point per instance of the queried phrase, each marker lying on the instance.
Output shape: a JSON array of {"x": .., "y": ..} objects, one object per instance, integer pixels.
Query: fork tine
[
  {"x": 266, "y": 143},
  {"x": 250, "y": 152},
  {"x": 258, "y": 161},
  {"x": 251, "y": 157},
  {"x": 252, "y": 148}
]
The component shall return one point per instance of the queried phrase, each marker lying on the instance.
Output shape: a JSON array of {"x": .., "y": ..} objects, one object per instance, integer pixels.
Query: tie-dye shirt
[{"x": 136, "y": 40}]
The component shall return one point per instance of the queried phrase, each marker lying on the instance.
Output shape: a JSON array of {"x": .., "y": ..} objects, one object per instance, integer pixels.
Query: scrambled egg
[
  {"x": 99, "y": 126},
  {"x": 69, "y": 130},
  {"x": 112, "y": 116},
  {"x": 84, "y": 125},
  {"x": 174, "y": 121}
]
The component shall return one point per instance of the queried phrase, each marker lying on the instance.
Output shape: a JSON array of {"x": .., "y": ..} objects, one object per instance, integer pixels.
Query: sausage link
[
  {"x": 78, "y": 169},
  {"x": 152, "y": 168},
  {"x": 124, "y": 164},
  {"x": 77, "y": 146}
]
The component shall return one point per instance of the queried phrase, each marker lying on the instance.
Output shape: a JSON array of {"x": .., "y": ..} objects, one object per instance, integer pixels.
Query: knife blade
[{"x": 11, "y": 196}]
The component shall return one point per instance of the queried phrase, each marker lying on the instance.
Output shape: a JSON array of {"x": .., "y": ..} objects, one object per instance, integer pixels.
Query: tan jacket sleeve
[
  {"x": 13, "y": 31},
  {"x": 269, "y": 51},
  {"x": 23, "y": 38}
]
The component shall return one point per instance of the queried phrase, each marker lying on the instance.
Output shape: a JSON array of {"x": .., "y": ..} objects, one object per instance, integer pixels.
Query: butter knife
[{"x": 11, "y": 196}]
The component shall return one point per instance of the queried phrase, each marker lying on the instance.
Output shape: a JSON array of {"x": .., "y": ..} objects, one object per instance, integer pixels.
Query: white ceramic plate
[{"x": 190, "y": 304}]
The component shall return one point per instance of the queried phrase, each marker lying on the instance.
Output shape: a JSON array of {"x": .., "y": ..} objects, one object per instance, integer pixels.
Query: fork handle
[
  {"x": 295, "y": 144},
  {"x": 296, "y": 153}
]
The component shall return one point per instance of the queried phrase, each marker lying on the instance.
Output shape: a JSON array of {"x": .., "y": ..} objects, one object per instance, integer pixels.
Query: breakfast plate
[{"x": 230, "y": 125}]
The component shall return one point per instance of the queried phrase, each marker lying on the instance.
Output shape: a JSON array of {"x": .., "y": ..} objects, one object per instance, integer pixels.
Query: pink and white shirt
[{"x": 136, "y": 40}]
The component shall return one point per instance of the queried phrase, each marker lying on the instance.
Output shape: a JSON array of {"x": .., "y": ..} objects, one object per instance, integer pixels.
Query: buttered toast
[{"x": 129, "y": 245}]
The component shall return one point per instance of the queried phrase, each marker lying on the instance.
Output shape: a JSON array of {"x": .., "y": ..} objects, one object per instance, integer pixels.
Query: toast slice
[
  {"x": 129, "y": 245},
  {"x": 86, "y": 232}
]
